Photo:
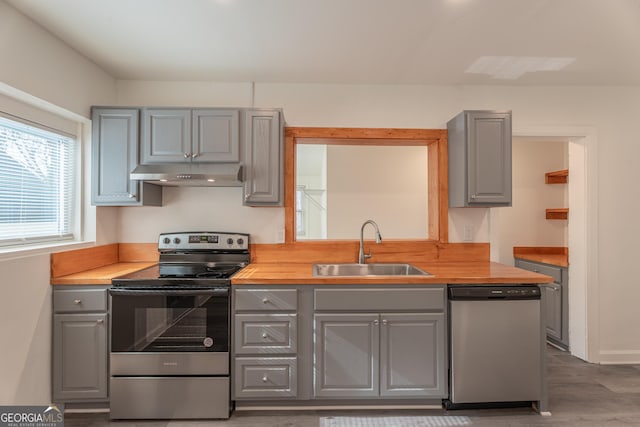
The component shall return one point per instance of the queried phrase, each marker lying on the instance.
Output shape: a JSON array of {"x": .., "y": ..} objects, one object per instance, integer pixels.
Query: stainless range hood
[{"x": 190, "y": 174}]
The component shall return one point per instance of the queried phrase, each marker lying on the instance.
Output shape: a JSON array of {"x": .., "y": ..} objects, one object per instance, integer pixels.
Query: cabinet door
[
  {"x": 412, "y": 355},
  {"x": 166, "y": 135},
  {"x": 114, "y": 145},
  {"x": 216, "y": 135},
  {"x": 262, "y": 157},
  {"x": 79, "y": 357},
  {"x": 489, "y": 158},
  {"x": 552, "y": 301},
  {"x": 346, "y": 355}
]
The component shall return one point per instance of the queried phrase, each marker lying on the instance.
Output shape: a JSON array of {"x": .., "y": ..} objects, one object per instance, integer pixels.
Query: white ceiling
[{"x": 351, "y": 41}]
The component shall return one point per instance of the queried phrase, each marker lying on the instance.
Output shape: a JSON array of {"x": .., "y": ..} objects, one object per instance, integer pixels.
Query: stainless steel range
[{"x": 170, "y": 329}]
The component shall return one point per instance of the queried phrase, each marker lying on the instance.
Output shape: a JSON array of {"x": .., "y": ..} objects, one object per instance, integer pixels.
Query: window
[{"x": 36, "y": 184}]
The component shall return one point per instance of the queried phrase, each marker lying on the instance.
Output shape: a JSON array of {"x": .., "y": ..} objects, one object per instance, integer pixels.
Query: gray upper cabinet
[
  {"x": 114, "y": 145},
  {"x": 215, "y": 135},
  {"x": 189, "y": 135},
  {"x": 80, "y": 347},
  {"x": 480, "y": 159},
  {"x": 263, "y": 157}
]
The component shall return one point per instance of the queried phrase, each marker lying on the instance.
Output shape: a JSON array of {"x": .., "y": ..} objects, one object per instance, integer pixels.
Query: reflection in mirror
[{"x": 340, "y": 186}]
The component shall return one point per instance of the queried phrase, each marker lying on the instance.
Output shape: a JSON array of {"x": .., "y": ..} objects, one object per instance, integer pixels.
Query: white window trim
[{"x": 15, "y": 102}]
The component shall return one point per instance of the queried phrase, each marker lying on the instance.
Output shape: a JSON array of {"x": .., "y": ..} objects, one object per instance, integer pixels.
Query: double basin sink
[{"x": 360, "y": 270}]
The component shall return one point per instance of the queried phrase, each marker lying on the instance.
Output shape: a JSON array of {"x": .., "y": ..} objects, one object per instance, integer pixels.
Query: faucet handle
[{"x": 367, "y": 256}]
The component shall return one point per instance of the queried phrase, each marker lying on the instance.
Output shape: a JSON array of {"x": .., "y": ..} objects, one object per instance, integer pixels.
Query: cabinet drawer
[
  {"x": 79, "y": 300},
  {"x": 547, "y": 270},
  {"x": 266, "y": 299},
  {"x": 265, "y": 377},
  {"x": 266, "y": 333},
  {"x": 418, "y": 299}
]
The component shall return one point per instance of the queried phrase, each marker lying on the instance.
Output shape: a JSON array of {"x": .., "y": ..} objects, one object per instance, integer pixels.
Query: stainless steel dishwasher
[{"x": 495, "y": 345}]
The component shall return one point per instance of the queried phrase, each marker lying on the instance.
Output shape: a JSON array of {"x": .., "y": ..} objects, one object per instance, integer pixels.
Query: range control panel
[{"x": 203, "y": 240}]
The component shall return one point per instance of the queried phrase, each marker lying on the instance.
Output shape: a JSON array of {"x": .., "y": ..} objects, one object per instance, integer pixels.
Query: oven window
[{"x": 169, "y": 323}]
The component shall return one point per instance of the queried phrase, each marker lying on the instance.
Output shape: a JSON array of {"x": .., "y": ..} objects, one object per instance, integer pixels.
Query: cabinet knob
[
  {"x": 375, "y": 322},
  {"x": 265, "y": 300},
  {"x": 131, "y": 196},
  {"x": 77, "y": 301},
  {"x": 187, "y": 155},
  {"x": 100, "y": 321},
  {"x": 264, "y": 335},
  {"x": 473, "y": 196},
  {"x": 384, "y": 322},
  {"x": 265, "y": 379},
  {"x": 194, "y": 155}
]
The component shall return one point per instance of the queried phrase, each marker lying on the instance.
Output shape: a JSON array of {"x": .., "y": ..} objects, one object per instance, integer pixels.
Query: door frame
[{"x": 584, "y": 336}]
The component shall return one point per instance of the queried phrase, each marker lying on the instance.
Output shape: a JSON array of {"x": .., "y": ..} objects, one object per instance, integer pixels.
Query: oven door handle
[{"x": 169, "y": 292}]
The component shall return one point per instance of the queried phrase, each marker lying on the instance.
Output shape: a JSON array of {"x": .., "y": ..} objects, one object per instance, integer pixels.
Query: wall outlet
[{"x": 468, "y": 233}]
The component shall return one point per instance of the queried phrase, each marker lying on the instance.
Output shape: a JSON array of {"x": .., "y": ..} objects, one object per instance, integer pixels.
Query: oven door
[{"x": 169, "y": 320}]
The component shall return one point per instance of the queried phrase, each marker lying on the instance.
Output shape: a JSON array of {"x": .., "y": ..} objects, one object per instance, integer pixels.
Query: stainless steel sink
[{"x": 367, "y": 270}]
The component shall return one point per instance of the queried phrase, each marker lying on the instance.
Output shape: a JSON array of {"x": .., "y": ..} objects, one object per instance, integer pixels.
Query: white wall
[
  {"x": 524, "y": 223},
  {"x": 612, "y": 111},
  {"x": 41, "y": 66},
  {"x": 385, "y": 183}
]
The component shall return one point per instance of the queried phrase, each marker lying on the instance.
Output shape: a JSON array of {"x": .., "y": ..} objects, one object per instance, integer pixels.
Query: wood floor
[{"x": 580, "y": 394}]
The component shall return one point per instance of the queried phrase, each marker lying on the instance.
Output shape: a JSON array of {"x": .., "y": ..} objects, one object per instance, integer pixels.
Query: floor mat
[{"x": 394, "y": 421}]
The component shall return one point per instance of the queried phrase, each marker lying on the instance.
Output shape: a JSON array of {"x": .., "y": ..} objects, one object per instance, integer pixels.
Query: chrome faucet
[{"x": 361, "y": 255}]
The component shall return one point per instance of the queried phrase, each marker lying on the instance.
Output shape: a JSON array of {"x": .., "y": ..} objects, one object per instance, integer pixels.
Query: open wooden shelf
[
  {"x": 561, "y": 213},
  {"x": 557, "y": 177}
]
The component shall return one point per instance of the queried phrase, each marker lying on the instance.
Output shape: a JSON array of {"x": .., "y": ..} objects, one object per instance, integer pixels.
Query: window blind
[{"x": 36, "y": 183}]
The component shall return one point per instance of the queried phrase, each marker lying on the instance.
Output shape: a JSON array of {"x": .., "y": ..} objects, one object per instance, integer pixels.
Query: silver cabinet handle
[
  {"x": 131, "y": 196},
  {"x": 187, "y": 155},
  {"x": 473, "y": 196},
  {"x": 375, "y": 322},
  {"x": 77, "y": 301},
  {"x": 194, "y": 155},
  {"x": 265, "y": 379},
  {"x": 100, "y": 321},
  {"x": 264, "y": 335},
  {"x": 265, "y": 300},
  {"x": 384, "y": 322}
]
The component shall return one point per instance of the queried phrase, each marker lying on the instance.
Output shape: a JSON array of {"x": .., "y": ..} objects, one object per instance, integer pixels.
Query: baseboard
[{"x": 625, "y": 357}]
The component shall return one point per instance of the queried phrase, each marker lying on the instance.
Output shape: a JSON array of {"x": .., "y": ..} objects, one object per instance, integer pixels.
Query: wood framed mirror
[{"x": 343, "y": 145}]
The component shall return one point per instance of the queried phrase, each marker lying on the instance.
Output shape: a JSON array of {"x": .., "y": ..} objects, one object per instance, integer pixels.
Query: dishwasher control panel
[{"x": 480, "y": 292}]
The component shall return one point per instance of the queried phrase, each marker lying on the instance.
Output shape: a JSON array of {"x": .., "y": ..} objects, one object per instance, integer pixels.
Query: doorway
[{"x": 581, "y": 229}]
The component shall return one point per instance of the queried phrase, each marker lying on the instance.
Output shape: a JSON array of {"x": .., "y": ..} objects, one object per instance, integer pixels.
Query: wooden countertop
[
  {"x": 300, "y": 274},
  {"x": 100, "y": 275},
  {"x": 443, "y": 272},
  {"x": 553, "y": 255}
]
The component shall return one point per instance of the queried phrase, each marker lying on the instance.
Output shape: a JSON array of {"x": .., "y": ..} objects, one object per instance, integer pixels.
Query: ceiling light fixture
[{"x": 513, "y": 67}]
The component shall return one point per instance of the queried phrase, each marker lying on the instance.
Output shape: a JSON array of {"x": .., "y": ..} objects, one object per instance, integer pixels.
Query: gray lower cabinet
[
  {"x": 380, "y": 349},
  {"x": 114, "y": 145},
  {"x": 262, "y": 136},
  {"x": 265, "y": 338},
  {"x": 479, "y": 145},
  {"x": 555, "y": 300},
  {"x": 177, "y": 135},
  {"x": 80, "y": 345}
]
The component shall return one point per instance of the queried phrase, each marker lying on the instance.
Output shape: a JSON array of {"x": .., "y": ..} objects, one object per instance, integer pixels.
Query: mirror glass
[{"x": 340, "y": 185}]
